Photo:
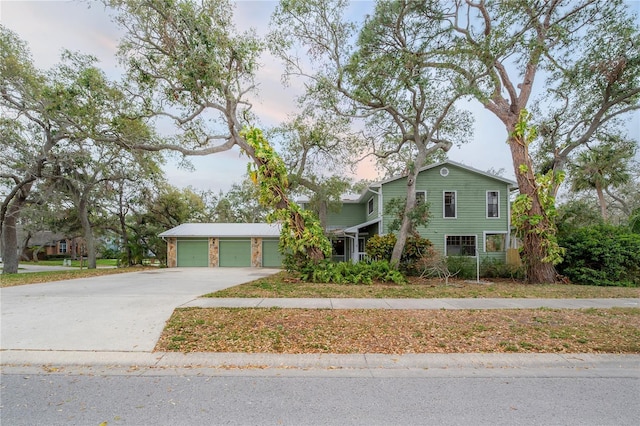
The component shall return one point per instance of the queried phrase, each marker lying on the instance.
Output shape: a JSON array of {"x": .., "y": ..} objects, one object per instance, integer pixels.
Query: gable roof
[
  {"x": 224, "y": 230},
  {"x": 366, "y": 192}
]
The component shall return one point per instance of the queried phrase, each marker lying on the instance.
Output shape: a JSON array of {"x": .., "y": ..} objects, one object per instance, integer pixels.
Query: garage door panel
[
  {"x": 235, "y": 253},
  {"x": 271, "y": 257},
  {"x": 193, "y": 253}
]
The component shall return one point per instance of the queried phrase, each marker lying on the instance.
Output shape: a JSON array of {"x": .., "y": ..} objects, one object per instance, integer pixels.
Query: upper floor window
[
  {"x": 421, "y": 197},
  {"x": 449, "y": 204},
  {"x": 370, "y": 206},
  {"x": 493, "y": 204}
]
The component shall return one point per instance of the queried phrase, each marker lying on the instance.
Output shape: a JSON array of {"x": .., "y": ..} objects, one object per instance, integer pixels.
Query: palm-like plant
[{"x": 601, "y": 167}]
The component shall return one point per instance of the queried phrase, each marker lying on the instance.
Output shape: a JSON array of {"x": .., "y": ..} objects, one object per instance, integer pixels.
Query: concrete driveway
[{"x": 123, "y": 312}]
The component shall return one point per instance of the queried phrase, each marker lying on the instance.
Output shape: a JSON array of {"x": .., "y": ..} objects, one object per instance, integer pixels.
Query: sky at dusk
[{"x": 51, "y": 26}]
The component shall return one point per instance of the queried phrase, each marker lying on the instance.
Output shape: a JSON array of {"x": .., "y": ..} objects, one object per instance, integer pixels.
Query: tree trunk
[
  {"x": 124, "y": 235},
  {"x": 537, "y": 271},
  {"x": 602, "y": 201},
  {"x": 405, "y": 228},
  {"x": 88, "y": 234},
  {"x": 10, "y": 240},
  {"x": 10, "y": 232}
]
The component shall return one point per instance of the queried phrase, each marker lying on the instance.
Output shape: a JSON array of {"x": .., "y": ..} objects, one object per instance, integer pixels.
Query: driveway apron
[{"x": 122, "y": 312}]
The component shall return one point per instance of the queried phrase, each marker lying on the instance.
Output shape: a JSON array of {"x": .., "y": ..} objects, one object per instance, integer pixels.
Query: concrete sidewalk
[{"x": 479, "y": 303}]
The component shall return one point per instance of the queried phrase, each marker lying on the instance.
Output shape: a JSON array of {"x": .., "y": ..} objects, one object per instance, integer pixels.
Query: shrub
[
  {"x": 603, "y": 255},
  {"x": 351, "y": 273},
  {"x": 495, "y": 268},
  {"x": 462, "y": 267},
  {"x": 380, "y": 247}
]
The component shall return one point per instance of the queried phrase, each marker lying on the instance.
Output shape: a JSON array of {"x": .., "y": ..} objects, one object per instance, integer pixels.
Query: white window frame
[
  {"x": 444, "y": 206},
  {"x": 475, "y": 246},
  {"x": 506, "y": 240},
  {"x": 487, "y": 205},
  {"x": 370, "y": 206},
  {"x": 63, "y": 247},
  {"x": 421, "y": 192}
]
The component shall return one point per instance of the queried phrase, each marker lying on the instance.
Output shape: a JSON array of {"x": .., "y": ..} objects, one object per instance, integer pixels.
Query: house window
[
  {"x": 449, "y": 204},
  {"x": 421, "y": 197},
  {"x": 63, "y": 246},
  {"x": 460, "y": 245},
  {"x": 370, "y": 206},
  {"x": 495, "y": 242},
  {"x": 493, "y": 204}
]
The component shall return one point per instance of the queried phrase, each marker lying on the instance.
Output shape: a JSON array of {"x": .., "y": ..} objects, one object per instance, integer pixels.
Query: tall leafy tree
[
  {"x": 378, "y": 74},
  {"x": 590, "y": 94},
  {"x": 502, "y": 49},
  {"x": 190, "y": 66},
  {"x": 44, "y": 111},
  {"x": 317, "y": 149}
]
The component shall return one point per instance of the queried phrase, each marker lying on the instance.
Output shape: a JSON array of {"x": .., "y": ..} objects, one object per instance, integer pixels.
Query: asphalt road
[{"x": 55, "y": 399}]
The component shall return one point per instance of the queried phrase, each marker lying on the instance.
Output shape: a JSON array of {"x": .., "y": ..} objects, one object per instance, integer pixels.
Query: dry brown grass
[
  {"x": 284, "y": 284},
  {"x": 10, "y": 280},
  {"x": 296, "y": 331}
]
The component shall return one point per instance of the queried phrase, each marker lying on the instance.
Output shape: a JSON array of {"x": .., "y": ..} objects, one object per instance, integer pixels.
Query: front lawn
[
  {"x": 284, "y": 284},
  {"x": 297, "y": 331},
  {"x": 74, "y": 263},
  {"x": 10, "y": 280}
]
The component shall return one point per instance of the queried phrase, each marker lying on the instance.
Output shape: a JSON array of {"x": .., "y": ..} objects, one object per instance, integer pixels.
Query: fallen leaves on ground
[
  {"x": 296, "y": 331},
  {"x": 284, "y": 284}
]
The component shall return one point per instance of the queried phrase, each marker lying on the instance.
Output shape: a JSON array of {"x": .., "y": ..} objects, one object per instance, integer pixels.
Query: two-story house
[{"x": 469, "y": 212}]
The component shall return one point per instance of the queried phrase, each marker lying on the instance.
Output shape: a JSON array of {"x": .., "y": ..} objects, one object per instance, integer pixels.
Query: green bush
[
  {"x": 380, "y": 247},
  {"x": 603, "y": 255},
  {"x": 495, "y": 268},
  {"x": 351, "y": 273},
  {"x": 463, "y": 267}
]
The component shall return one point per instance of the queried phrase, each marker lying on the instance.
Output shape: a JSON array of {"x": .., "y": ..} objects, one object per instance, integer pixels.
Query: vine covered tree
[
  {"x": 502, "y": 49},
  {"x": 377, "y": 74},
  {"x": 189, "y": 66}
]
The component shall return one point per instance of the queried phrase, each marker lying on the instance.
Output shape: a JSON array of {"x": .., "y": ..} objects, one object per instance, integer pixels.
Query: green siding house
[{"x": 469, "y": 212}]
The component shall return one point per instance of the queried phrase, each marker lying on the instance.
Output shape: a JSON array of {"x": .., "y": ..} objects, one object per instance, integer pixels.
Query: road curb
[{"x": 150, "y": 362}]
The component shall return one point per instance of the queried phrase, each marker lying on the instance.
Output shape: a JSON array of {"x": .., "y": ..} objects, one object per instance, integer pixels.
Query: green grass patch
[{"x": 74, "y": 263}]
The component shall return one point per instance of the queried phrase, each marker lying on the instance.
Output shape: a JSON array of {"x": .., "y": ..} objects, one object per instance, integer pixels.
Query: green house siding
[
  {"x": 192, "y": 252},
  {"x": 350, "y": 214},
  {"x": 470, "y": 190}
]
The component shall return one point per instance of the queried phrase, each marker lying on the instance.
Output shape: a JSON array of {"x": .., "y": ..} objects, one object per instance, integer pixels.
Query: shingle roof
[{"x": 224, "y": 230}]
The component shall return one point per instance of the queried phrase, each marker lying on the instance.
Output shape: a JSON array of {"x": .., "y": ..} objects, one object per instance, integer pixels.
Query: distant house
[
  {"x": 48, "y": 243},
  {"x": 469, "y": 216},
  {"x": 469, "y": 212}
]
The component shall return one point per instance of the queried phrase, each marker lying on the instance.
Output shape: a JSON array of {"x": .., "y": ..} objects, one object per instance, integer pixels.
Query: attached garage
[
  {"x": 271, "y": 257},
  {"x": 192, "y": 252},
  {"x": 223, "y": 244},
  {"x": 235, "y": 252}
]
